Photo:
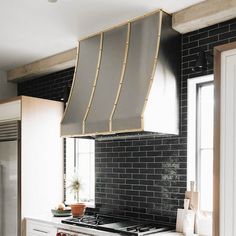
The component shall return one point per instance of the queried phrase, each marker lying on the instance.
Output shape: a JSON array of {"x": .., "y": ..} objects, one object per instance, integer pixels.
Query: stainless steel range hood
[{"x": 126, "y": 80}]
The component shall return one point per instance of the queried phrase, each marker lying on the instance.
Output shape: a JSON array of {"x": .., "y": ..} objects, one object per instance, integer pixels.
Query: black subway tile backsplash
[
  {"x": 143, "y": 177},
  {"x": 51, "y": 86},
  {"x": 153, "y": 170},
  {"x": 227, "y": 35}
]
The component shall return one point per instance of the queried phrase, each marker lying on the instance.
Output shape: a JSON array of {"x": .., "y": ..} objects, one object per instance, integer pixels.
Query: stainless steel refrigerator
[{"x": 10, "y": 202}]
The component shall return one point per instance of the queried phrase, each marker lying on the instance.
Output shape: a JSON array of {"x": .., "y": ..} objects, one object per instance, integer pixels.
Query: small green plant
[{"x": 74, "y": 187}]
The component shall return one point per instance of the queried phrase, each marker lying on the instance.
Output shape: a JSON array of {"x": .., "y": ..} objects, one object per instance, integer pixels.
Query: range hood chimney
[{"x": 126, "y": 80}]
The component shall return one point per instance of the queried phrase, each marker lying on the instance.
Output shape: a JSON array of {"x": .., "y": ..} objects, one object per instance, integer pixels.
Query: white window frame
[
  {"x": 193, "y": 139},
  {"x": 71, "y": 150}
]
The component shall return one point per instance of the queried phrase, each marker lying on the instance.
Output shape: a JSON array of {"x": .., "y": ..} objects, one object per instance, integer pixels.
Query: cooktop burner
[
  {"x": 117, "y": 225},
  {"x": 92, "y": 220}
]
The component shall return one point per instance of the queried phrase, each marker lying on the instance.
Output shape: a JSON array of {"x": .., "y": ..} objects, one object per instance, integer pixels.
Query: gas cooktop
[{"x": 117, "y": 225}]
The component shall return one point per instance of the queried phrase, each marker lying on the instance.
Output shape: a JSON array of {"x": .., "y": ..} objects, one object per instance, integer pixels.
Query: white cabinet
[
  {"x": 10, "y": 110},
  {"x": 35, "y": 228}
]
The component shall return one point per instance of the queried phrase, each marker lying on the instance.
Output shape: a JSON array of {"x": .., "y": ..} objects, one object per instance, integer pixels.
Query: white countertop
[{"x": 47, "y": 218}]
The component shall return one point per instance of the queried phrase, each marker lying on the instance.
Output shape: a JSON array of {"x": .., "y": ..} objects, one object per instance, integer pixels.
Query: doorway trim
[{"x": 216, "y": 164}]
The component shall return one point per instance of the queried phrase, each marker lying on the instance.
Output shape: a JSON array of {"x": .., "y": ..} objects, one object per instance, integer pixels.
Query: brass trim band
[
  {"x": 122, "y": 75},
  {"x": 73, "y": 83},
  {"x": 95, "y": 81},
  {"x": 103, "y": 133},
  {"x": 153, "y": 69}
]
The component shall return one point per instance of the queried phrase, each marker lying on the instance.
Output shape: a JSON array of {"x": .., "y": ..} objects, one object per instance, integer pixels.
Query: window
[
  {"x": 200, "y": 138},
  {"x": 205, "y": 145},
  {"x": 80, "y": 161}
]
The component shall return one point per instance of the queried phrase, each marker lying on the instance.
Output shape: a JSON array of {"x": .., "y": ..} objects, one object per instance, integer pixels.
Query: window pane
[
  {"x": 206, "y": 116},
  {"x": 85, "y": 145},
  {"x": 70, "y": 168},
  {"x": 80, "y": 161},
  {"x": 200, "y": 138},
  {"x": 205, "y": 158},
  {"x": 85, "y": 168},
  {"x": 206, "y": 180}
]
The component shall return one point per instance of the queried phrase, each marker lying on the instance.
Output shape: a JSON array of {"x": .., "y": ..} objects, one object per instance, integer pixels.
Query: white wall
[{"x": 7, "y": 89}]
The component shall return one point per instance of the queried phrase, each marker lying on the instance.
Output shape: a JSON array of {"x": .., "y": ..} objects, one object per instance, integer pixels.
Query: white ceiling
[{"x": 34, "y": 29}]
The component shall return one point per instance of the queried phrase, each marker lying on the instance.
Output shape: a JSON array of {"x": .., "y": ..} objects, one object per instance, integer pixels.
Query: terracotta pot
[{"x": 78, "y": 209}]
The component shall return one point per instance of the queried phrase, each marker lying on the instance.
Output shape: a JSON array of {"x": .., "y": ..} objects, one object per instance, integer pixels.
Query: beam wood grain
[
  {"x": 44, "y": 66},
  {"x": 204, "y": 14}
]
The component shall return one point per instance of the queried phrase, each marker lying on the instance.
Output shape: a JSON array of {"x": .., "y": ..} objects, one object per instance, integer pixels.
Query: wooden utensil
[{"x": 193, "y": 197}]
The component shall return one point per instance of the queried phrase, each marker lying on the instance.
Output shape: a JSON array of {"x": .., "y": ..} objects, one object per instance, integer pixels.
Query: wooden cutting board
[{"x": 193, "y": 197}]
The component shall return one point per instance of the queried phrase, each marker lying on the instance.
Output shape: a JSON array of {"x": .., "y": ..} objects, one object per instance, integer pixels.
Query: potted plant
[{"x": 77, "y": 208}]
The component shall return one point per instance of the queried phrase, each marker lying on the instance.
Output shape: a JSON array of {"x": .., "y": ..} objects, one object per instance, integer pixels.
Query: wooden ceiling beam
[
  {"x": 204, "y": 14},
  {"x": 44, "y": 66}
]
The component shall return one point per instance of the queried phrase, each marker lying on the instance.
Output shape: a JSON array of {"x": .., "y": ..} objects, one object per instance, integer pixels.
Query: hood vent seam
[
  {"x": 122, "y": 75},
  {"x": 95, "y": 82}
]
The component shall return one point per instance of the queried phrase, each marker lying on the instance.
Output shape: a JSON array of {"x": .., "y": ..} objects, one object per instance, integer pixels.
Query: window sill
[{"x": 88, "y": 204}]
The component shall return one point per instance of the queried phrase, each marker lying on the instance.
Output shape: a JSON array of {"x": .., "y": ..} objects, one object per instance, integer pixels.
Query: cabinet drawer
[{"x": 39, "y": 229}]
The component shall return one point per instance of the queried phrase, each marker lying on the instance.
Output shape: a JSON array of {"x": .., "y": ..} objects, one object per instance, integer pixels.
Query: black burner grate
[{"x": 116, "y": 225}]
